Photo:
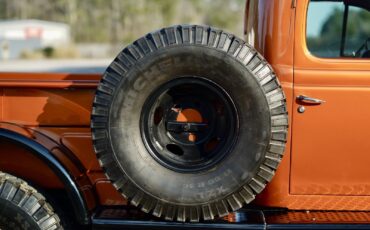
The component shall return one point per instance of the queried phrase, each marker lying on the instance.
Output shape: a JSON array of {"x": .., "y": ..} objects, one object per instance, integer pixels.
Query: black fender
[{"x": 74, "y": 194}]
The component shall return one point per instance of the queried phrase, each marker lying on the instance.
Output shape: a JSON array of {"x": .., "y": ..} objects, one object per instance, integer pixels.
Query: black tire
[
  {"x": 22, "y": 207},
  {"x": 126, "y": 92}
]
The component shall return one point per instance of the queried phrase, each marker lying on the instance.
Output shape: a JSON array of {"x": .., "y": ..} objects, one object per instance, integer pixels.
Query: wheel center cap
[{"x": 189, "y": 115}]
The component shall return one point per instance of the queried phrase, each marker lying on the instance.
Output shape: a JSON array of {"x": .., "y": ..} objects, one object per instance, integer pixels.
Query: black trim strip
[
  {"x": 127, "y": 217},
  {"x": 74, "y": 194},
  {"x": 344, "y": 30},
  {"x": 137, "y": 224},
  {"x": 153, "y": 225}
]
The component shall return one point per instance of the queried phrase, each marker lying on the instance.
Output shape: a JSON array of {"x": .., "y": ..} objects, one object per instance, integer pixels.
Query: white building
[{"x": 17, "y": 35}]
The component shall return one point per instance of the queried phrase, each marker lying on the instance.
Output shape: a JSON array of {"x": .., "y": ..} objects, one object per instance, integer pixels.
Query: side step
[{"x": 125, "y": 217}]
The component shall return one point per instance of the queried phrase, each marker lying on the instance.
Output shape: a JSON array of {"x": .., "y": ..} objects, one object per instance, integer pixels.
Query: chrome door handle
[{"x": 311, "y": 100}]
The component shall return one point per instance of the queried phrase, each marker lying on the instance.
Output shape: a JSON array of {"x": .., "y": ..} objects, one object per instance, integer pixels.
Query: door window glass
[{"x": 338, "y": 29}]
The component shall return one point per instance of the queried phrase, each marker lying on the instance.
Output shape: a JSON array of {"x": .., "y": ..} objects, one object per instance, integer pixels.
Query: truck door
[{"x": 331, "y": 114}]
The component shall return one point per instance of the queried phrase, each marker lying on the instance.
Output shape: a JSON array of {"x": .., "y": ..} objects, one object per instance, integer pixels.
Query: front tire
[{"x": 22, "y": 207}]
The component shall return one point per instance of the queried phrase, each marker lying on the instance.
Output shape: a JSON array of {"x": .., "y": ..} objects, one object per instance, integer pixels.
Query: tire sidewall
[{"x": 238, "y": 167}]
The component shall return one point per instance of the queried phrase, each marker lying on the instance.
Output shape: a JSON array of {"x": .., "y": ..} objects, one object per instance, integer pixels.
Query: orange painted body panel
[
  {"x": 273, "y": 29},
  {"x": 325, "y": 162},
  {"x": 43, "y": 107},
  {"x": 47, "y": 99},
  {"x": 14, "y": 159},
  {"x": 335, "y": 132}
]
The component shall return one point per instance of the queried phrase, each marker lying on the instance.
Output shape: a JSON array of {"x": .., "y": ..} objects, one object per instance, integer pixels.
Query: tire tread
[{"x": 29, "y": 200}]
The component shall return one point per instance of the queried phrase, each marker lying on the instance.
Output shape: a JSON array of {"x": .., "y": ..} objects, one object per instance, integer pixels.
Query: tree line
[{"x": 122, "y": 21}]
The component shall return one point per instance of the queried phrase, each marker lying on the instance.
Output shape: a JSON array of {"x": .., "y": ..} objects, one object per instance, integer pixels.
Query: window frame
[
  {"x": 304, "y": 60},
  {"x": 342, "y": 55}
]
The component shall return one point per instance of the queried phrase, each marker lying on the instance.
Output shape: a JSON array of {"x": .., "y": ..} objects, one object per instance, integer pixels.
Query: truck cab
[{"x": 319, "y": 50}]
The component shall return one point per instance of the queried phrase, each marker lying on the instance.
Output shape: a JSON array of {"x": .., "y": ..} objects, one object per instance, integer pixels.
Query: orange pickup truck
[{"x": 190, "y": 123}]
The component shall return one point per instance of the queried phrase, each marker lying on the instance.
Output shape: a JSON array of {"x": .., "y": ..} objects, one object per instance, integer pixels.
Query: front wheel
[{"x": 22, "y": 207}]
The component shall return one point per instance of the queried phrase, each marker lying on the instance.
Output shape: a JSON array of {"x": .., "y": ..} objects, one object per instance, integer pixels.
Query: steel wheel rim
[{"x": 203, "y": 139}]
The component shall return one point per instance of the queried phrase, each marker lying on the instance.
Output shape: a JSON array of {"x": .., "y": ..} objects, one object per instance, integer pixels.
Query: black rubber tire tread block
[
  {"x": 214, "y": 39},
  {"x": 30, "y": 204}
]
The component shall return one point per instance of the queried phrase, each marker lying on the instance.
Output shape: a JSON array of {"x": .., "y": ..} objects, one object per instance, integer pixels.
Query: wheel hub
[{"x": 189, "y": 124}]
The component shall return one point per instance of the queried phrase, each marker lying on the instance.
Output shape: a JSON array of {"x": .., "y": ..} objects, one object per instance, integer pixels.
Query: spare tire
[{"x": 189, "y": 123}]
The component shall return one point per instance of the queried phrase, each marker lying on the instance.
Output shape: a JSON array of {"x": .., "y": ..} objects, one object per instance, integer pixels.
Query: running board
[{"x": 124, "y": 217}]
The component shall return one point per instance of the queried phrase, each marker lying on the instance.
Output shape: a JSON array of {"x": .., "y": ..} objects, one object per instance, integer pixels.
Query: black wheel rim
[{"x": 189, "y": 124}]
